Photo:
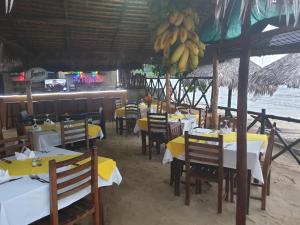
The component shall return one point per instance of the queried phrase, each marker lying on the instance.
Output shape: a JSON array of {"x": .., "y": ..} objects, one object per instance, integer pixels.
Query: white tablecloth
[
  {"x": 229, "y": 158},
  {"x": 43, "y": 139},
  {"x": 25, "y": 201}
]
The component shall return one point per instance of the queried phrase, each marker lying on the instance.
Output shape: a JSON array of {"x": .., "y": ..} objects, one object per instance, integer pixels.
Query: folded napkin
[
  {"x": 36, "y": 127},
  {"x": 49, "y": 122},
  {"x": 177, "y": 113},
  {"x": 4, "y": 176},
  {"x": 27, "y": 154}
]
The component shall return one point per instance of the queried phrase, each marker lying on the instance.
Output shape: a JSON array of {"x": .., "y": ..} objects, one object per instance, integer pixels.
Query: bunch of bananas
[{"x": 178, "y": 40}]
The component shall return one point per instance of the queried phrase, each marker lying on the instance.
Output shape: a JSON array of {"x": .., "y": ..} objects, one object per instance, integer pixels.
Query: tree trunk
[
  {"x": 168, "y": 92},
  {"x": 215, "y": 93},
  {"x": 29, "y": 98}
]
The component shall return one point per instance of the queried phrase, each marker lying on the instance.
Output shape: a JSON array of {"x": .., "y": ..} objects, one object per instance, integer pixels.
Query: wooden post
[
  {"x": 168, "y": 92},
  {"x": 215, "y": 93},
  {"x": 241, "y": 163},
  {"x": 227, "y": 112},
  {"x": 263, "y": 121},
  {"x": 29, "y": 98}
]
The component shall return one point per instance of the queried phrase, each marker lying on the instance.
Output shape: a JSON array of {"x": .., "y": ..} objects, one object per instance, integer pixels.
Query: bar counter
[{"x": 107, "y": 96}]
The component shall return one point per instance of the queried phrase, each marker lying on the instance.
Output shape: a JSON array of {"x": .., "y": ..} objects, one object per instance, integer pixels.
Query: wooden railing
[
  {"x": 183, "y": 90},
  {"x": 264, "y": 121}
]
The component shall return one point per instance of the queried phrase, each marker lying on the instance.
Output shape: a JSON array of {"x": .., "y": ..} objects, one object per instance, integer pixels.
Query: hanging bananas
[{"x": 177, "y": 39}]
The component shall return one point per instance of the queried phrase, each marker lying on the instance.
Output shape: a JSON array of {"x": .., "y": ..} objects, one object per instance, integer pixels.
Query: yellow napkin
[{"x": 106, "y": 166}]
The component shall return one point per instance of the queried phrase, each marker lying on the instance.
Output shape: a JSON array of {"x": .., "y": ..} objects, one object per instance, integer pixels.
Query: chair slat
[
  {"x": 74, "y": 190},
  {"x": 73, "y": 170},
  {"x": 73, "y": 160},
  {"x": 74, "y": 180}
]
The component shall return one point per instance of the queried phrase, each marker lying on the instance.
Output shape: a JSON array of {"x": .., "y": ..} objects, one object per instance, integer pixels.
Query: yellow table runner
[
  {"x": 176, "y": 146},
  {"x": 120, "y": 112},
  {"x": 106, "y": 166},
  {"x": 93, "y": 130},
  {"x": 143, "y": 122}
]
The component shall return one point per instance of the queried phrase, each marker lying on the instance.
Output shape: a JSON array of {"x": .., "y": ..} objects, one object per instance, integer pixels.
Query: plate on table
[{"x": 202, "y": 131}]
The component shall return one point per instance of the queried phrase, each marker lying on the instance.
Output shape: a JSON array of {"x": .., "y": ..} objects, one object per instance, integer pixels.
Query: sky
[{"x": 263, "y": 61}]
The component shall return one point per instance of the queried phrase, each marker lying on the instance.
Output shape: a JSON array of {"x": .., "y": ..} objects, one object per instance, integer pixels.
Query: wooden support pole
[
  {"x": 241, "y": 163},
  {"x": 168, "y": 92},
  {"x": 229, "y": 98},
  {"x": 215, "y": 93},
  {"x": 29, "y": 98}
]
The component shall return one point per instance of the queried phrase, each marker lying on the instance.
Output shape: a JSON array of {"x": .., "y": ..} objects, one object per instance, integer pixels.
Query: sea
[{"x": 284, "y": 102}]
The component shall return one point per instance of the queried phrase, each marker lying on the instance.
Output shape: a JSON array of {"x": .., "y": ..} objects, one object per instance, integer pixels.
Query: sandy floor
[{"x": 144, "y": 197}]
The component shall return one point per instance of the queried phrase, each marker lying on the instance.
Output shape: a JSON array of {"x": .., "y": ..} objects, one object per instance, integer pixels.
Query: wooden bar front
[{"x": 80, "y": 100}]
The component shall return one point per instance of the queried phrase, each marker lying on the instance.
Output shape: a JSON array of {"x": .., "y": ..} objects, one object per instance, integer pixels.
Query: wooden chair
[
  {"x": 204, "y": 162},
  {"x": 74, "y": 131},
  {"x": 68, "y": 182},
  {"x": 157, "y": 130},
  {"x": 1, "y": 132},
  {"x": 230, "y": 121},
  {"x": 266, "y": 170},
  {"x": 174, "y": 131},
  {"x": 132, "y": 113},
  {"x": 159, "y": 107},
  {"x": 184, "y": 109},
  {"x": 9, "y": 146}
]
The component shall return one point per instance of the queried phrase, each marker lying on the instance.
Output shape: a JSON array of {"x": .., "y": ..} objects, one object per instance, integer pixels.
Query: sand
[{"x": 145, "y": 197}]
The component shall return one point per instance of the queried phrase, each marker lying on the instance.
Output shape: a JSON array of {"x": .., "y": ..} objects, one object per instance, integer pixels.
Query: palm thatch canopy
[
  {"x": 285, "y": 71},
  {"x": 228, "y": 72},
  {"x": 93, "y": 34}
]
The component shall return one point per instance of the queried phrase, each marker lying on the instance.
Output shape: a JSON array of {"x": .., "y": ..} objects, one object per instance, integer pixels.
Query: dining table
[
  {"x": 256, "y": 145},
  {"x": 49, "y": 135},
  {"x": 24, "y": 199}
]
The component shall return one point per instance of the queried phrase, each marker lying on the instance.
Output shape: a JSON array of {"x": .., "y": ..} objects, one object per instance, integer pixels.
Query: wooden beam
[
  {"x": 215, "y": 93},
  {"x": 241, "y": 162}
]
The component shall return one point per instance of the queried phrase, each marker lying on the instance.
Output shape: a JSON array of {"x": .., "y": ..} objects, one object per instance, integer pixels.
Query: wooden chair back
[
  {"x": 174, "y": 130},
  {"x": 68, "y": 182},
  {"x": 184, "y": 109},
  {"x": 204, "y": 150},
  {"x": 231, "y": 122},
  {"x": 159, "y": 107},
  {"x": 118, "y": 103},
  {"x": 132, "y": 111},
  {"x": 1, "y": 132},
  {"x": 157, "y": 122},
  {"x": 9, "y": 146},
  {"x": 266, "y": 167},
  {"x": 74, "y": 131},
  {"x": 202, "y": 122}
]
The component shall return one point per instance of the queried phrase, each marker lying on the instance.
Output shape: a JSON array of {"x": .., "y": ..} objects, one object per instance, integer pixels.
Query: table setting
[
  {"x": 24, "y": 184},
  {"x": 48, "y": 134}
]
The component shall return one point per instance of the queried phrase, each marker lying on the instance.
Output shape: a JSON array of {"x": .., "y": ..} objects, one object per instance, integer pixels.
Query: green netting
[{"x": 210, "y": 32}]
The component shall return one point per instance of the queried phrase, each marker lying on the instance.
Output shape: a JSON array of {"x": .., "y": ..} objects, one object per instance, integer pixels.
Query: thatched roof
[
  {"x": 285, "y": 71},
  {"x": 92, "y": 34},
  {"x": 228, "y": 72}
]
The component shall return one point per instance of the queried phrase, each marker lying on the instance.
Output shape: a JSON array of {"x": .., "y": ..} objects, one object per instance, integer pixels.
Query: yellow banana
[
  {"x": 164, "y": 38},
  {"x": 196, "y": 18},
  {"x": 188, "y": 23},
  {"x": 194, "y": 60},
  {"x": 201, "y": 45},
  {"x": 183, "y": 34},
  {"x": 157, "y": 45},
  {"x": 192, "y": 47},
  {"x": 173, "y": 17},
  {"x": 179, "y": 19},
  {"x": 193, "y": 36},
  {"x": 167, "y": 50},
  {"x": 201, "y": 53},
  {"x": 174, "y": 36},
  {"x": 177, "y": 53},
  {"x": 162, "y": 28},
  {"x": 182, "y": 65}
]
